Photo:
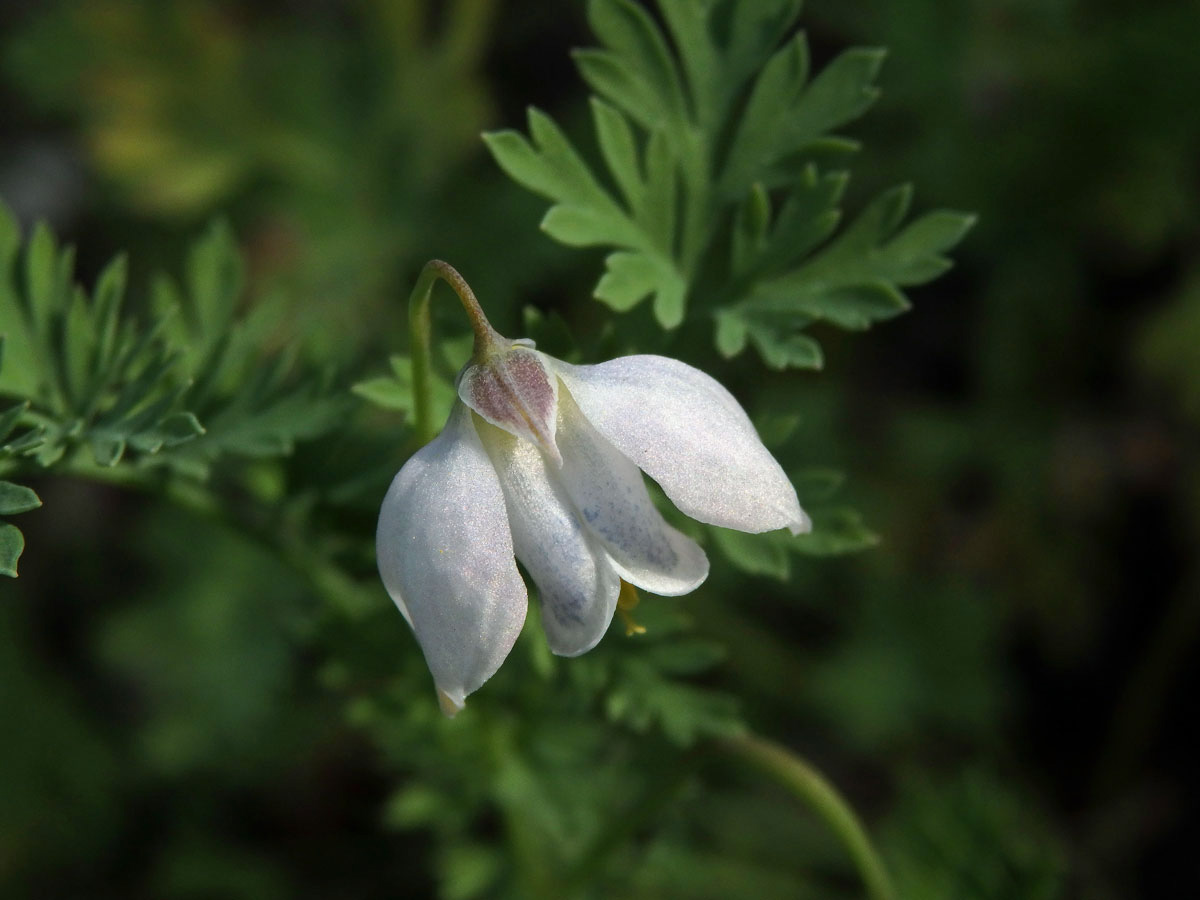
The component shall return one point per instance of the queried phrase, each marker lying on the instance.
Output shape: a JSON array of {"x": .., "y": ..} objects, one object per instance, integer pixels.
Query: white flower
[{"x": 539, "y": 462}]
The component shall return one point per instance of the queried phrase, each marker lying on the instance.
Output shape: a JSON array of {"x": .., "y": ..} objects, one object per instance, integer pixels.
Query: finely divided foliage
[
  {"x": 86, "y": 386},
  {"x": 14, "y": 498},
  {"x": 718, "y": 193},
  {"x": 87, "y": 374}
]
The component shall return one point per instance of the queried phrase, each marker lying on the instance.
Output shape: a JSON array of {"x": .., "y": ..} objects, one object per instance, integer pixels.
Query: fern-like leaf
[{"x": 715, "y": 138}]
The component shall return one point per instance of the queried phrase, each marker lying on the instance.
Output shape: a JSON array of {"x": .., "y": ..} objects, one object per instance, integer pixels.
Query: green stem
[
  {"x": 799, "y": 777},
  {"x": 421, "y": 336}
]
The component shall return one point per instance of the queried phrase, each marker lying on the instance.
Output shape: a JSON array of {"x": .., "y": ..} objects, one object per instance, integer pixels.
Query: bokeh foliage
[{"x": 208, "y": 691}]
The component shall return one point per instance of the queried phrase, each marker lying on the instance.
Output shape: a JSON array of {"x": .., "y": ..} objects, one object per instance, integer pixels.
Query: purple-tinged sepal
[{"x": 512, "y": 388}]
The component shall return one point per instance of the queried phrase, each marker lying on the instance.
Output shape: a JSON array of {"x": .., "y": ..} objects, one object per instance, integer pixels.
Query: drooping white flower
[{"x": 539, "y": 462}]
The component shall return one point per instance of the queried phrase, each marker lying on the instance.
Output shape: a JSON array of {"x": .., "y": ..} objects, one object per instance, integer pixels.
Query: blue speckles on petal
[
  {"x": 576, "y": 583},
  {"x": 689, "y": 434},
  {"x": 611, "y": 496},
  {"x": 446, "y": 558}
]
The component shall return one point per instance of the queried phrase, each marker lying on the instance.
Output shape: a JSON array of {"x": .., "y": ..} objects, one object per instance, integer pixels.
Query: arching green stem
[
  {"x": 421, "y": 329},
  {"x": 799, "y": 777}
]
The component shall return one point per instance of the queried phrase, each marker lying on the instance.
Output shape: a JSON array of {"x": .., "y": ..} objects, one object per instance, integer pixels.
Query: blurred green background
[{"x": 1003, "y": 687}]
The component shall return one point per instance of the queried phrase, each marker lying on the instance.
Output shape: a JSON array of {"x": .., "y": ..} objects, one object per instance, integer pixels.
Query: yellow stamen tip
[{"x": 627, "y": 599}]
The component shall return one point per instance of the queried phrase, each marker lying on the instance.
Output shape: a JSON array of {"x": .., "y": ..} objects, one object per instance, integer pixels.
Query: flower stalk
[
  {"x": 421, "y": 336},
  {"x": 810, "y": 786}
]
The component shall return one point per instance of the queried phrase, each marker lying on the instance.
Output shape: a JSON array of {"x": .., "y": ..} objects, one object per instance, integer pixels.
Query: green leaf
[
  {"x": 77, "y": 340},
  {"x": 851, "y": 282},
  {"x": 469, "y": 870},
  {"x": 774, "y": 333},
  {"x": 836, "y": 530},
  {"x": 871, "y": 250},
  {"x": 169, "y": 431},
  {"x": 620, "y": 152},
  {"x": 413, "y": 806},
  {"x": 266, "y": 418},
  {"x": 817, "y": 484},
  {"x": 807, "y": 217},
  {"x": 28, "y": 442},
  {"x": 750, "y": 228},
  {"x": 756, "y": 554},
  {"x": 585, "y": 213},
  {"x": 791, "y": 351},
  {"x": 731, "y": 335},
  {"x": 101, "y": 379},
  {"x": 214, "y": 278},
  {"x": 11, "y": 416},
  {"x": 396, "y": 391},
  {"x": 107, "y": 450},
  {"x": 16, "y": 498},
  {"x": 658, "y": 214},
  {"x": 632, "y": 277},
  {"x": 854, "y": 307},
  {"x": 785, "y": 116},
  {"x": 760, "y": 137},
  {"x": 916, "y": 251},
  {"x": 124, "y": 388},
  {"x": 110, "y": 289},
  {"x": 384, "y": 391},
  {"x": 12, "y": 544},
  {"x": 841, "y": 92},
  {"x": 581, "y": 226},
  {"x": 554, "y": 168},
  {"x": 639, "y": 50},
  {"x": 689, "y": 27},
  {"x": 41, "y": 268},
  {"x": 727, "y": 120},
  {"x": 642, "y": 699},
  {"x": 199, "y": 316},
  {"x": 243, "y": 402},
  {"x": 776, "y": 427}
]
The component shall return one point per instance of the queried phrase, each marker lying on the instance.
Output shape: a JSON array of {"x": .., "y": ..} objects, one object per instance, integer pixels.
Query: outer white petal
[
  {"x": 691, "y": 436},
  {"x": 446, "y": 559},
  {"x": 611, "y": 496},
  {"x": 577, "y": 586}
]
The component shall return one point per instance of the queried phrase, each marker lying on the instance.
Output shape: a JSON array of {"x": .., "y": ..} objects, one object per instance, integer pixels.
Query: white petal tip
[
  {"x": 451, "y": 706},
  {"x": 572, "y": 652},
  {"x": 572, "y": 646},
  {"x": 800, "y": 525}
]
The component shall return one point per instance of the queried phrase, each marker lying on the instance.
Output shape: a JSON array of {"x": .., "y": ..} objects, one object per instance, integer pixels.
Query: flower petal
[
  {"x": 691, "y": 436},
  {"x": 610, "y": 494},
  {"x": 578, "y": 587},
  {"x": 446, "y": 559}
]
